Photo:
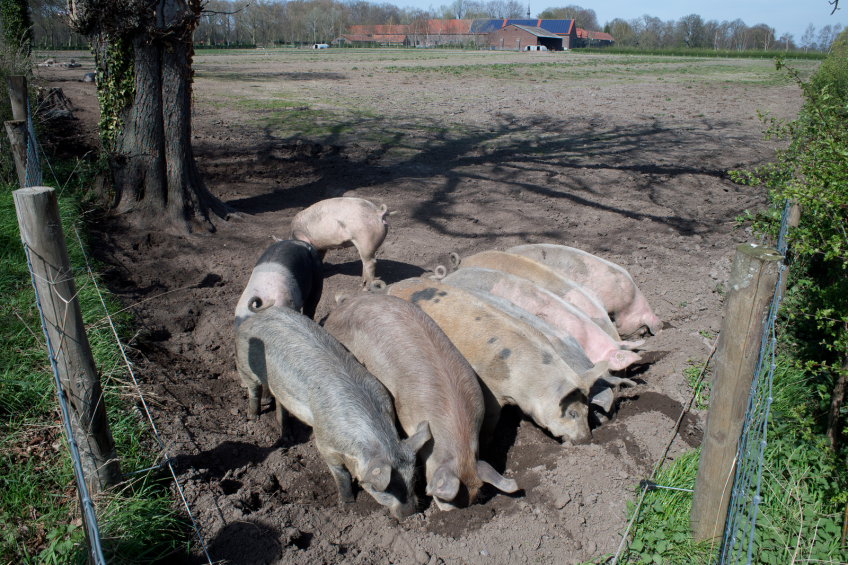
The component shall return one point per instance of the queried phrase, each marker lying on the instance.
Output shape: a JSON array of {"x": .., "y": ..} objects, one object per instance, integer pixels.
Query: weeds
[
  {"x": 38, "y": 501},
  {"x": 692, "y": 372}
]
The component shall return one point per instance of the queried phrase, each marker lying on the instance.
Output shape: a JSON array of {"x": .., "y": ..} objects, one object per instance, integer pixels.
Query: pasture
[{"x": 623, "y": 156}]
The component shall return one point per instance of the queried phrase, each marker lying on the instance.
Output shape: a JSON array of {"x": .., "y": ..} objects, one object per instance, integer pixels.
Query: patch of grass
[
  {"x": 692, "y": 372},
  {"x": 803, "y": 491},
  {"x": 38, "y": 502}
]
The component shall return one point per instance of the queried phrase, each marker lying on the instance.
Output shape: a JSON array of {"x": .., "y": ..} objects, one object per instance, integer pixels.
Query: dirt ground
[{"x": 624, "y": 157}]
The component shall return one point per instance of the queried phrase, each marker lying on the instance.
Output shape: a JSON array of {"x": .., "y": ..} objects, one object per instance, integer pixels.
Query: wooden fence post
[
  {"x": 18, "y": 95},
  {"x": 41, "y": 231},
  {"x": 753, "y": 278},
  {"x": 17, "y": 132}
]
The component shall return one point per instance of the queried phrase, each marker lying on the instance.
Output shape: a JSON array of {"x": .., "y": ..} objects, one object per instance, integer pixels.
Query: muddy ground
[{"x": 624, "y": 157}]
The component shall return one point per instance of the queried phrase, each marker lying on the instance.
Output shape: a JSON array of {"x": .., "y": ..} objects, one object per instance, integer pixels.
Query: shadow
[
  {"x": 527, "y": 170},
  {"x": 266, "y": 543},
  {"x": 387, "y": 270}
]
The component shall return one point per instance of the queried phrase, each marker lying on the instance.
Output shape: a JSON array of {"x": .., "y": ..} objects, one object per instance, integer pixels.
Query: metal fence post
[
  {"x": 41, "y": 231},
  {"x": 752, "y": 283}
]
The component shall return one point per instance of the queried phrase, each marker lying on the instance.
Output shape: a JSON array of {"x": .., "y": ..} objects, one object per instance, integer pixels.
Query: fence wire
[
  {"x": 738, "y": 538},
  {"x": 33, "y": 178}
]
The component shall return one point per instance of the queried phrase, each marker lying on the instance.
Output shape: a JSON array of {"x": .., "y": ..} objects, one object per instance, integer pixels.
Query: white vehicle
[{"x": 320, "y": 46}]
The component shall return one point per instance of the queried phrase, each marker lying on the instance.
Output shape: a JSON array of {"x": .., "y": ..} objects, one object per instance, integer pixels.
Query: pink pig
[
  {"x": 624, "y": 301},
  {"x": 341, "y": 222},
  {"x": 549, "y": 307}
]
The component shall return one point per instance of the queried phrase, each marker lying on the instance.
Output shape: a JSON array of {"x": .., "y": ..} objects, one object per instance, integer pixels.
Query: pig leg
[
  {"x": 311, "y": 303},
  {"x": 369, "y": 264},
  {"x": 341, "y": 475},
  {"x": 282, "y": 418},
  {"x": 254, "y": 401}
]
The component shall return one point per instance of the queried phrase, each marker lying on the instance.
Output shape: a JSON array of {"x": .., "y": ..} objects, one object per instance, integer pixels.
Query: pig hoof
[
  {"x": 346, "y": 499},
  {"x": 376, "y": 285}
]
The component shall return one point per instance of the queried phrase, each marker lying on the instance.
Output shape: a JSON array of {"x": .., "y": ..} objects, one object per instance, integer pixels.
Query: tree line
[{"x": 269, "y": 22}]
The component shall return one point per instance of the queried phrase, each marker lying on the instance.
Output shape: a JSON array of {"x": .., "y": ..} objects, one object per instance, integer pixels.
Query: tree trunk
[
  {"x": 837, "y": 397},
  {"x": 150, "y": 155}
]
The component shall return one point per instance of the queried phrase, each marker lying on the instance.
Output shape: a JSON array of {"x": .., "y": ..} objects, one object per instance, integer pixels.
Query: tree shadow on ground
[{"x": 540, "y": 166}]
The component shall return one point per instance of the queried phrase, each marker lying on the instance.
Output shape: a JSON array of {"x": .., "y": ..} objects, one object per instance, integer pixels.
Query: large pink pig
[
  {"x": 624, "y": 301},
  {"x": 343, "y": 222},
  {"x": 549, "y": 307},
  {"x": 540, "y": 274},
  {"x": 430, "y": 381}
]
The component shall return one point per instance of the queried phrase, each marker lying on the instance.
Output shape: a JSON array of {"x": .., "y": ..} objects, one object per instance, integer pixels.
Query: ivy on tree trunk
[{"x": 144, "y": 55}]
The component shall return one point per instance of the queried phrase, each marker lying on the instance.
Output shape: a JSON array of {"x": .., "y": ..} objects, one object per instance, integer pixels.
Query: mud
[{"x": 633, "y": 171}]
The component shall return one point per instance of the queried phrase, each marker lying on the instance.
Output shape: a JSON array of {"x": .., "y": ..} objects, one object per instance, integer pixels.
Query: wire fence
[
  {"x": 738, "y": 538},
  {"x": 33, "y": 178}
]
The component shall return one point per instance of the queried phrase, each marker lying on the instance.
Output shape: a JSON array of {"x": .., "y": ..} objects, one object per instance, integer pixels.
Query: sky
[{"x": 783, "y": 15}]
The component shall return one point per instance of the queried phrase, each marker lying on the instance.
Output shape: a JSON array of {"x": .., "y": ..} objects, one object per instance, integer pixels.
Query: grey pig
[
  {"x": 430, "y": 381},
  {"x": 312, "y": 376}
]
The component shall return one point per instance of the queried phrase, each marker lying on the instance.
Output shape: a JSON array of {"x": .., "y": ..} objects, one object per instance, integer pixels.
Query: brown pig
[
  {"x": 625, "y": 302},
  {"x": 430, "y": 381},
  {"x": 540, "y": 274},
  {"x": 342, "y": 222},
  {"x": 515, "y": 362}
]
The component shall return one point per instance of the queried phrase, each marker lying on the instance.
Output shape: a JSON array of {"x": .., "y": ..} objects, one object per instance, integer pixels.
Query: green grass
[
  {"x": 704, "y": 53},
  {"x": 803, "y": 492},
  {"x": 39, "y": 515}
]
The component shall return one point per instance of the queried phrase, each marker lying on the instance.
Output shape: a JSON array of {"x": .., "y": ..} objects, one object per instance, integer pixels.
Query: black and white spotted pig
[{"x": 289, "y": 273}]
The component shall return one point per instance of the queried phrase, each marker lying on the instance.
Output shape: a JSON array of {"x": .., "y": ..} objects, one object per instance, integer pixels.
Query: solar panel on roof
[
  {"x": 531, "y": 23},
  {"x": 556, "y": 26},
  {"x": 486, "y": 26}
]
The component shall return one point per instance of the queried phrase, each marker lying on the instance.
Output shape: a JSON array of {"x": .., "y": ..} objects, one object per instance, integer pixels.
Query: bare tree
[
  {"x": 808, "y": 37},
  {"x": 691, "y": 29}
]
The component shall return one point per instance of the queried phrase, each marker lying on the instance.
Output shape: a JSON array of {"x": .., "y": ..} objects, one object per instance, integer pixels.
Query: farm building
[
  {"x": 520, "y": 36},
  {"x": 588, "y": 38},
  {"x": 433, "y": 33},
  {"x": 562, "y": 28},
  {"x": 360, "y": 39}
]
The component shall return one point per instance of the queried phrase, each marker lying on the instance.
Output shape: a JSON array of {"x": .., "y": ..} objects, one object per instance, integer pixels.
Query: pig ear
[
  {"x": 620, "y": 359},
  {"x": 444, "y": 484},
  {"x": 487, "y": 474},
  {"x": 604, "y": 399},
  {"x": 378, "y": 473},
  {"x": 595, "y": 373},
  {"x": 422, "y": 435}
]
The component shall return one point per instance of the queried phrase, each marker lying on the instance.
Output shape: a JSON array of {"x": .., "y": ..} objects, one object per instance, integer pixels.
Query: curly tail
[
  {"x": 255, "y": 304},
  {"x": 439, "y": 273},
  {"x": 454, "y": 258},
  {"x": 377, "y": 285}
]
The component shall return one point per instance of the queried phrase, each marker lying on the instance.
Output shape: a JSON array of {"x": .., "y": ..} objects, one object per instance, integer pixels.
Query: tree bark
[
  {"x": 837, "y": 397},
  {"x": 150, "y": 155}
]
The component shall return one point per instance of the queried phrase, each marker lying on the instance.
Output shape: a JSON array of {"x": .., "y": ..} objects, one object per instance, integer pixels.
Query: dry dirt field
[{"x": 625, "y": 157}]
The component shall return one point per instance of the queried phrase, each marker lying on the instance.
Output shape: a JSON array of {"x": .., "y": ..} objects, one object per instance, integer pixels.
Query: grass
[
  {"x": 692, "y": 372},
  {"x": 803, "y": 492},
  {"x": 39, "y": 512}
]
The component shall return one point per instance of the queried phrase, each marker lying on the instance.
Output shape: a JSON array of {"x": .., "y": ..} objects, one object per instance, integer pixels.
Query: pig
[
  {"x": 515, "y": 363},
  {"x": 430, "y": 381},
  {"x": 563, "y": 343},
  {"x": 290, "y": 274},
  {"x": 583, "y": 298},
  {"x": 341, "y": 222},
  {"x": 312, "y": 376},
  {"x": 625, "y": 303},
  {"x": 548, "y": 306}
]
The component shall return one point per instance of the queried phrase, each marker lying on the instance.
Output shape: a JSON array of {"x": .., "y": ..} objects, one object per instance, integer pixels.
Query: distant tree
[
  {"x": 763, "y": 36},
  {"x": 17, "y": 25},
  {"x": 786, "y": 42},
  {"x": 808, "y": 37},
  {"x": 691, "y": 30},
  {"x": 584, "y": 18},
  {"x": 739, "y": 34},
  {"x": 622, "y": 32}
]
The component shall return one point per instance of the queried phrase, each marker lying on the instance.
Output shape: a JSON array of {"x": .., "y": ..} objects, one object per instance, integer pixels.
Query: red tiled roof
[
  {"x": 377, "y": 29},
  {"x": 449, "y": 27},
  {"x": 597, "y": 35},
  {"x": 378, "y": 38}
]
